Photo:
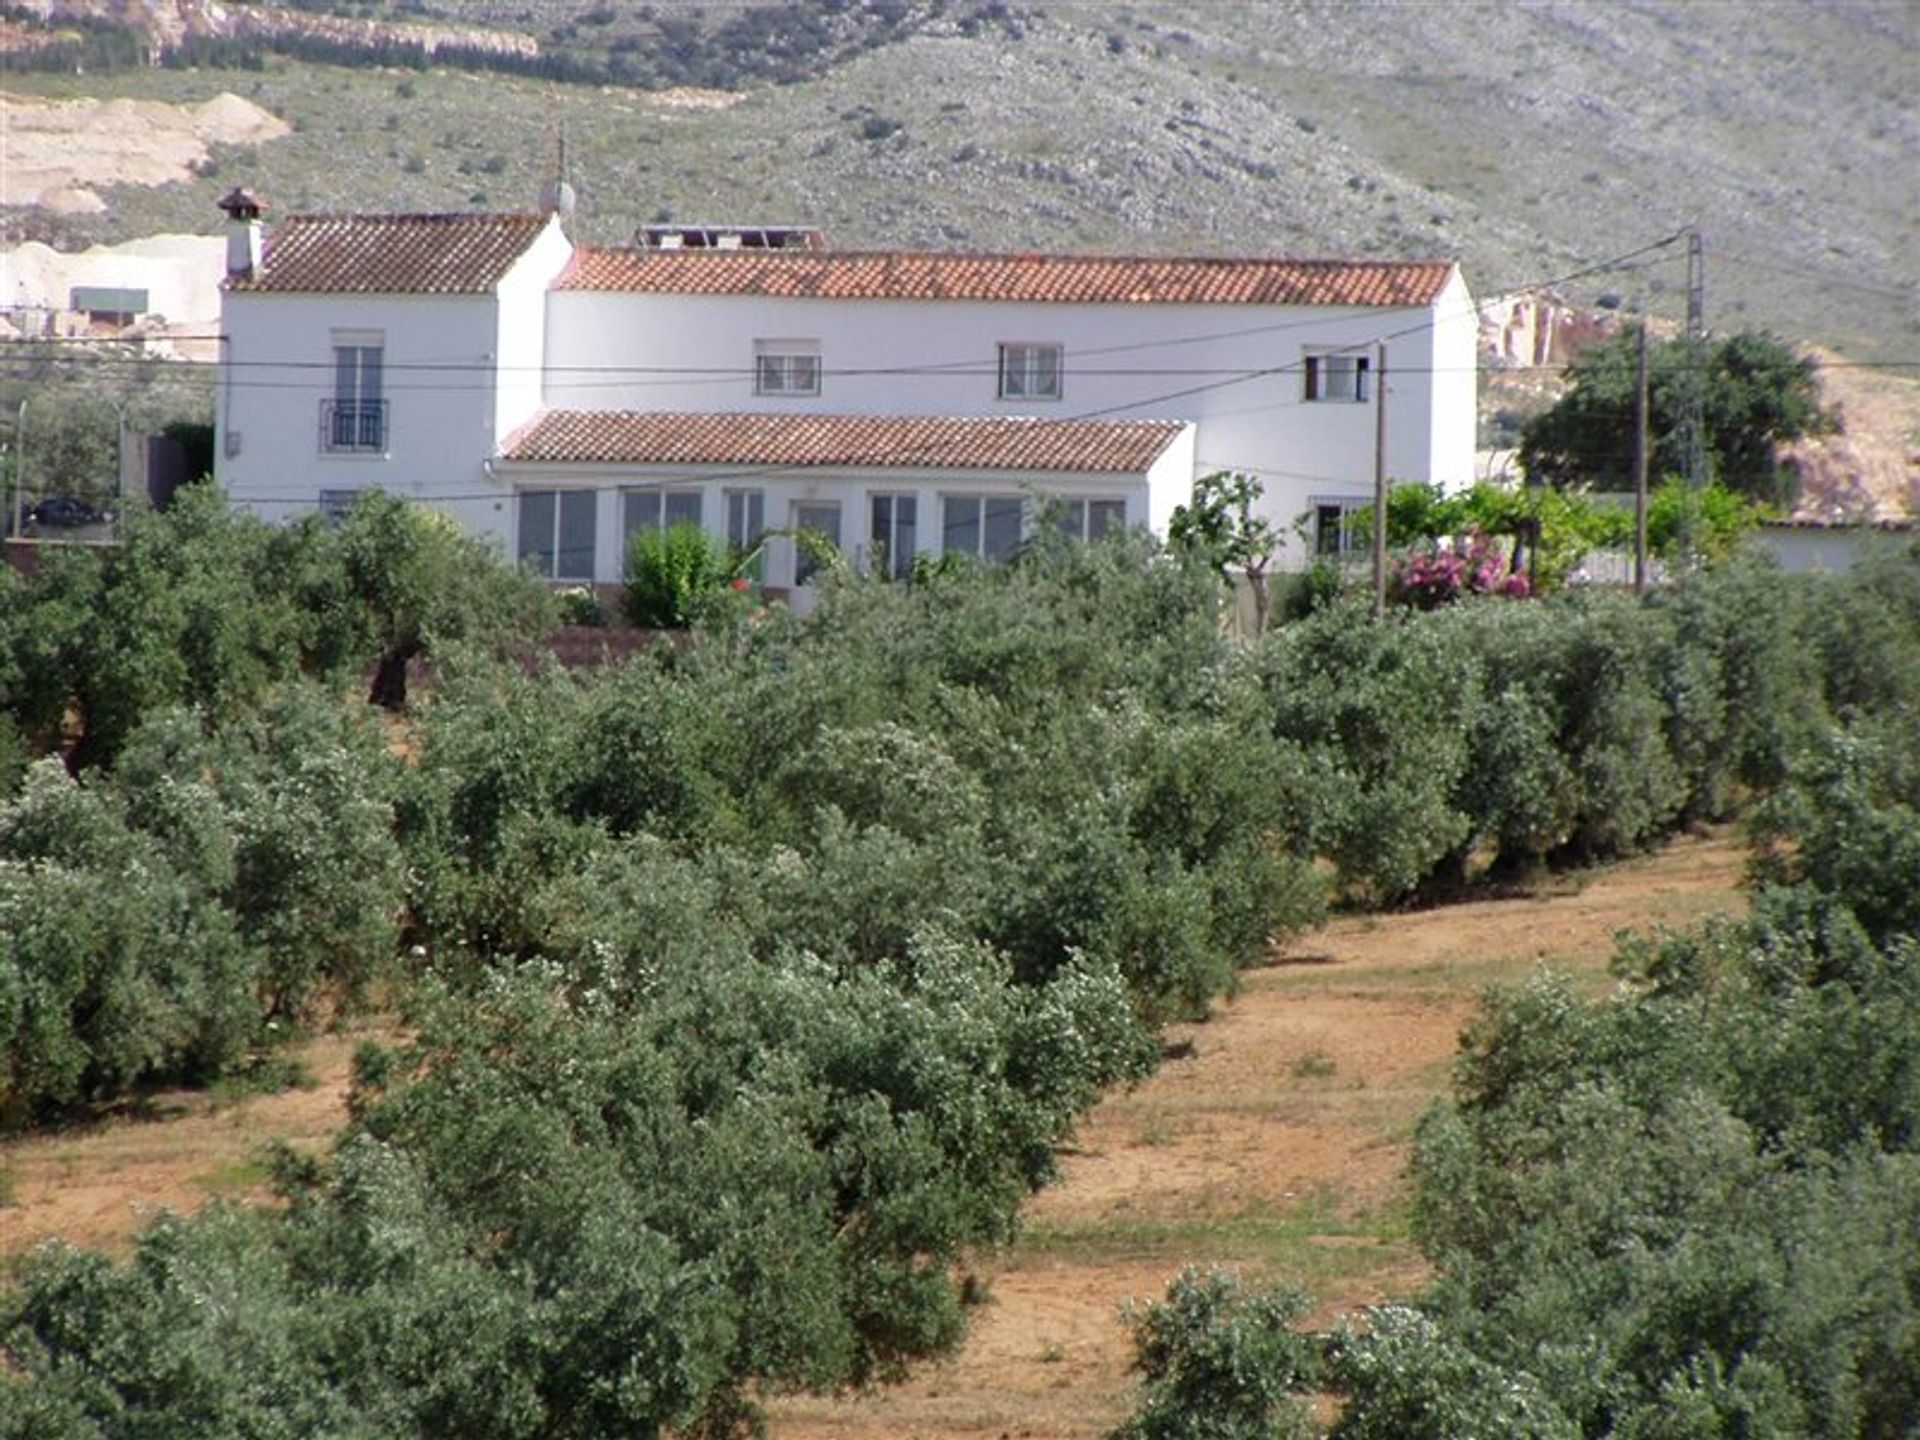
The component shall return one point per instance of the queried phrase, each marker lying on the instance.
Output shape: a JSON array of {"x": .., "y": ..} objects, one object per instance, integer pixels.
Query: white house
[{"x": 557, "y": 398}]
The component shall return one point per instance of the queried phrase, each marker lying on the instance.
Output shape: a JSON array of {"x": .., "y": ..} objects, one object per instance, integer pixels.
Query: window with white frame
[
  {"x": 353, "y": 420},
  {"x": 1337, "y": 375},
  {"x": 1340, "y": 527},
  {"x": 1091, "y": 519},
  {"x": 813, "y": 521},
  {"x": 988, "y": 527},
  {"x": 1030, "y": 372},
  {"x": 747, "y": 525},
  {"x": 556, "y": 533},
  {"x": 894, "y": 534},
  {"x": 657, "y": 507},
  {"x": 786, "y": 367}
]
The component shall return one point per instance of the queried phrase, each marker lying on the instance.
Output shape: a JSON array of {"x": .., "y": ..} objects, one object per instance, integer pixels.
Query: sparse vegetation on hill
[{"x": 1530, "y": 141}]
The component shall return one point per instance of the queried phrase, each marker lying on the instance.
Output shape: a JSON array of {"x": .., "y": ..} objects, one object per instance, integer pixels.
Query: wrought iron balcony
[{"x": 353, "y": 427}]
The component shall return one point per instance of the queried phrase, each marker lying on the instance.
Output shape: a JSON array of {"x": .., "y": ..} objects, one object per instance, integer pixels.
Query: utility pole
[
  {"x": 17, "y": 472},
  {"x": 1380, "y": 481},
  {"x": 1640, "y": 466},
  {"x": 1694, "y": 418}
]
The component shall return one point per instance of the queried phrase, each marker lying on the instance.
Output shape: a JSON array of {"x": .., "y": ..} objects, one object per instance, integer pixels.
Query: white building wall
[
  {"x": 1454, "y": 418},
  {"x": 521, "y": 340},
  {"x": 1235, "y": 370},
  {"x": 437, "y": 379},
  {"x": 1825, "y": 549}
]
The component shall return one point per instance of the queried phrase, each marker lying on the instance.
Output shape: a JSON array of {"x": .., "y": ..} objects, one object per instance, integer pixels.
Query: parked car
[{"x": 64, "y": 511}]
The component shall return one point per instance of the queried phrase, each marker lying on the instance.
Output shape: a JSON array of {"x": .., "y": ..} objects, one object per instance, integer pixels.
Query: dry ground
[
  {"x": 1274, "y": 1145},
  {"x": 1274, "y": 1148},
  {"x": 95, "y": 1184}
]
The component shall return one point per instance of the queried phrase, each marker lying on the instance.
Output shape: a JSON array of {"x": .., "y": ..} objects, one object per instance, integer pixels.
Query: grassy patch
[
  {"x": 1312, "y": 1240},
  {"x": 236, "y": 1177}
]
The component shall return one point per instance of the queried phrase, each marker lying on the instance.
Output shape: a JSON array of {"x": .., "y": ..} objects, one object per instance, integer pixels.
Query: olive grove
[{"x": 750, "y": 986}]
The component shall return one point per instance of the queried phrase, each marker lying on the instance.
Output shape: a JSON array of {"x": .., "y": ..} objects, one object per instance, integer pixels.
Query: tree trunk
[{"x": 390, "y": 680}]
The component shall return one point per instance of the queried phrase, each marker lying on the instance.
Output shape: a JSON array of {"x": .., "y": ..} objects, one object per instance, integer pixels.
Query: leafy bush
[
  {"x": 670, "y": 573},
  {"x": 1385, "y": 713},
  {"x": 1220, "y": 1363},
  {"x": 106, "y": 984}
]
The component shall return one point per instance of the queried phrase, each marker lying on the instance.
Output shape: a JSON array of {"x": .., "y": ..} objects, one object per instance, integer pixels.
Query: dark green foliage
[
  {"x": 161, "y": 917},
  {"x": 406, "y": 583},
  {"x": 756, "y": 982},
  {"x": 1221, "y": 1363},
  {"x": 105, "y": 984},
  {"x": 1687, "y": 1209},
  {"x": 1405, "y": 1378},
  {"x": 1385, "y": 711},
  {"x": 1757, "y": 395}
]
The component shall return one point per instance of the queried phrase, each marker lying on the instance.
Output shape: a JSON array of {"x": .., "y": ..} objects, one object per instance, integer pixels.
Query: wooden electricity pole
[
  {"x": 1380, "y": 481},
  {"x": 1640, "y": 447}
]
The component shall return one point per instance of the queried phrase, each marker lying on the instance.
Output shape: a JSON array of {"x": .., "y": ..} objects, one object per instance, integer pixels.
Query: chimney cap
[{"x": 239, "y": 205}]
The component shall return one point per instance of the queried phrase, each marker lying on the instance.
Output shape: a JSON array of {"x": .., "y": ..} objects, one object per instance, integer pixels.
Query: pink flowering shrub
[{"x": 1428, "y": 579}]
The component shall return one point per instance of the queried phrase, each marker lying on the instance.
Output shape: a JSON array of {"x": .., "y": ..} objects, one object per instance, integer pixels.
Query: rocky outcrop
[
  {"x": 169, "y": 23},
  {"x": 1868, "y": 469},
  {"x": 1518, "y": 331}
]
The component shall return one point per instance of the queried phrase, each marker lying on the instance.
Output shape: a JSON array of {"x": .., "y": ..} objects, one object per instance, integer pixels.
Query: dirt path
[{"x": 1275, "y": 1147}]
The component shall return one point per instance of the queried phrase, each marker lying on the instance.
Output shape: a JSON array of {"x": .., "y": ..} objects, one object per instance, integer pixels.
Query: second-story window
[
  {"x": 354, "y": 421},
  {"x": 786, "y": 367},
  {"x": 1030, "y": 372},
  {"x": 1336, "y": 375}
]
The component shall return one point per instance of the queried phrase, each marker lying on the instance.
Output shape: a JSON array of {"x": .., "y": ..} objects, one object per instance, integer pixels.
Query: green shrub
[
  {"x": 1220, "y": 1362},
  {"x": 670, "y": 573}
]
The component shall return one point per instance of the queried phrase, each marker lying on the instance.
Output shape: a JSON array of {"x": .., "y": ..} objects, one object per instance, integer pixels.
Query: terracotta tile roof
[
  {"x": 1083, "y": 279},
  {"x": 460, "y": 254},
  {"x": 855, "y": 441}
]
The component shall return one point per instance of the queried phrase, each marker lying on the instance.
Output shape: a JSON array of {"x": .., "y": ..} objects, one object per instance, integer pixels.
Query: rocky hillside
[
  {"x": 1531, "y": 141},
  {"x": 167, "y": 26}
]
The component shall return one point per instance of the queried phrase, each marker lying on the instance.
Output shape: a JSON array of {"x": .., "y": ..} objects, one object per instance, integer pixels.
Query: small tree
[
  {"x": 1220, "y": 530},
  {"x": 407, "y": 580},
  {"x": 1757, "y": 394}
]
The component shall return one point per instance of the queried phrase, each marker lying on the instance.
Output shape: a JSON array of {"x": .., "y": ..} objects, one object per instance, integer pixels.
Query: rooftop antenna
[{"x": 557, "y": 196}]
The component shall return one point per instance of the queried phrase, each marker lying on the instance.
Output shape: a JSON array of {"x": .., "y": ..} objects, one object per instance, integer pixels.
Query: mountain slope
[{"x": 1530, "y": 141}]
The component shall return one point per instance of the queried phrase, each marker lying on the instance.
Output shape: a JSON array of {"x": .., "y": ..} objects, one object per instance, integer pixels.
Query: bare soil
[
  {"x": 95, "y": 1184},
  {"x": 57, "y": 151},
  {"x": 1273, "y": 1142},
  {"x": 1275, "y": 1147}
]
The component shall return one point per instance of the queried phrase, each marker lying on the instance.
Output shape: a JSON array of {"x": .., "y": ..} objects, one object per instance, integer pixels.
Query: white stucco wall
[
  {"x": 1234, "y": 370},
  {"x": 1454, "y": 387},
  {"x": 437, "y": 380},
  {"x": 459, "y": 373},
  {"x": 521, "y": 338}
]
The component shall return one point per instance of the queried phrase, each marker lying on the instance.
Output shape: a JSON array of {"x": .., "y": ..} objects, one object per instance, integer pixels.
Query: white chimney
[{"x": 244, "y": 233}]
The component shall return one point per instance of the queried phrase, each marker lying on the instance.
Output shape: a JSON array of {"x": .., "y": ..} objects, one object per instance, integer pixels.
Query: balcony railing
[{"x": 353, "y": 427}]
